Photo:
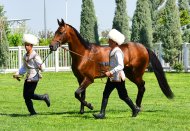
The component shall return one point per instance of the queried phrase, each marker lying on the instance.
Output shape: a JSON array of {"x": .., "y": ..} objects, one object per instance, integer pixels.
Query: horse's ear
[
  {"x": 59, "y": 23},
  {"x": 62, "y": 22}
]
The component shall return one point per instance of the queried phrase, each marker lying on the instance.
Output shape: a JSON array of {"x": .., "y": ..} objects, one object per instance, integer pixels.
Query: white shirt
[
  {"x": 116, "y": 64},
  {"x": 30, "y": 66}
]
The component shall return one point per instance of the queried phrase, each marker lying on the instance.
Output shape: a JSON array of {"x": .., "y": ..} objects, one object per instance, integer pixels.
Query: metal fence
[
  {"x": 60, "y": 60},
  {"x": 184, "y": 57}
]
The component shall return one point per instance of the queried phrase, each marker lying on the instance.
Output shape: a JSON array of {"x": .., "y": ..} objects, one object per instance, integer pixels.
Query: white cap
[
  {"x": 31, "y": 39},
  {"x": 116, "y": 36}
]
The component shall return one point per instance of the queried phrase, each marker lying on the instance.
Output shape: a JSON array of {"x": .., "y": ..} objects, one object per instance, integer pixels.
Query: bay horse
[{"x": 86, "y": 59}]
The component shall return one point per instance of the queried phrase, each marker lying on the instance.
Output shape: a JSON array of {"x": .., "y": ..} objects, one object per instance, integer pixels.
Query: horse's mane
[{"x": 86, "y": 44}]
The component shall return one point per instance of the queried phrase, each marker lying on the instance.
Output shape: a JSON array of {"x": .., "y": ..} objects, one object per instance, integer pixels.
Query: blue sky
[{"x": 55, "y": 9}]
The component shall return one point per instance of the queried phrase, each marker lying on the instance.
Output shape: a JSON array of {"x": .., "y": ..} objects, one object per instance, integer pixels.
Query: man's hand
[
  {"x": 108, "y": 74},
  {"x": 16, "y": 77},
  {"x": 40, "y": 67}
]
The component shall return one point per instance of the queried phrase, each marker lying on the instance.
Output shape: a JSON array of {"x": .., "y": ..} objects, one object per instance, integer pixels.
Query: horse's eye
[{"x": 60, "y": 33}]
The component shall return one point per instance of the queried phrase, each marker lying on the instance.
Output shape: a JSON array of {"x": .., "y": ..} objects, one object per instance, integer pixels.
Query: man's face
[
  {"x": 112, "y": 44},
  {"x": 28, "y": 47}
]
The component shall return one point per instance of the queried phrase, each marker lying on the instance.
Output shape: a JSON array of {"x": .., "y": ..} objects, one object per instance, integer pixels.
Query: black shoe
[
  {"x": 99, "y": 116},
  {"x": 47, "y": 100},
  {"x": 135, "y": 112},
  {"x": 33, "y": 113}
]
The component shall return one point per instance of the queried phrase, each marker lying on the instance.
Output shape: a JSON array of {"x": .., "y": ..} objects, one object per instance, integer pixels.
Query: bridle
[{"x": 59, "y": 43}]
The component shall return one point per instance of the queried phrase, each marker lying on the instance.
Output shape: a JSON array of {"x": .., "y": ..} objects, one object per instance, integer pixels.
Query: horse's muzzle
[{"x": 53, "y": 47}]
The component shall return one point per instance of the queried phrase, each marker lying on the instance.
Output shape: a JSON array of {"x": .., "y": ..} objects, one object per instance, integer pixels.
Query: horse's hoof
[
  {"x": 90, "y": 106},
  {"x": 81, "y": 112},
  {"x": 137, "y": 107},
  {"x": 135, "y": 112},
  {"x": 99, "y": 116}
]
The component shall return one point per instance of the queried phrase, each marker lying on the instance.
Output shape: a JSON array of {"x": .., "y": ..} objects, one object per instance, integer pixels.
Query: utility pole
[
  {"x": 66, "y": 11},
  {"x": 45, "y": 28}
]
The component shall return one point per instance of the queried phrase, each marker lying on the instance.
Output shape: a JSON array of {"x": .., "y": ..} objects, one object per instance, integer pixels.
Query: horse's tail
[{"x": 160, "y": 75}]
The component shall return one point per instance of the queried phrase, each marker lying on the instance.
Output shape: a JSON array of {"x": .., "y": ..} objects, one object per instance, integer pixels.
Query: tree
[
  {"x": 155, "y": 9},
  {"x": 104, "y": 37},
  {"x": 120, "y": 21},
  {"x": 184, "y": 19},
  {"x": 89, "y": 26},
  {"x": 171, "y": 36},
  {"x": 15, "y": 35},
  {"x": 184, "y": 12},
  {"x": 186, "y": 36},
  {"x": 42, "y": 36},
  {"x": 15, "y": 39},
  {"x": 4, "y": 50},
  {"x": 142, "y": 24}
]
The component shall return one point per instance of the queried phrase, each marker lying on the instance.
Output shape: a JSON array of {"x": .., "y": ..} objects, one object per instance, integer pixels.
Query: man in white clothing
[
  {"x": 32, "y": 65},
  {"x": 116, "y": 76}
]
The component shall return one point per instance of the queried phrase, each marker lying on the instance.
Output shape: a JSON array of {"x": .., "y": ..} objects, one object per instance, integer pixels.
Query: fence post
[
  {"x": 160, "y": 54},
  {"x": 57, "y": 60},
  {"x": 19, "y": 57},
  {"x": 186, "y": 56}
]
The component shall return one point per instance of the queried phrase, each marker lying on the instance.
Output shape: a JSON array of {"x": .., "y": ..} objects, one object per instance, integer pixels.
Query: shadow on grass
[
  {"x": 14, "y": 115},
  {"x": 66, "y": 114},
  {"x": 73, "y": 113}
]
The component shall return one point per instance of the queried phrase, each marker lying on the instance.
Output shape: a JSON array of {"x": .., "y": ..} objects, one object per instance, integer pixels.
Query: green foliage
[
  {"x": 184, "y": 12},
  {"x": 120, "y": 21},
  {"x": 15, "y": 39},
  {"x": 178, "y": 67},
  {"x": 155, "y": 12},
  {"x": 44, "y": 42},
  {"x": 158, "y": 113},
  {"x": 105, "y": 33},
  {"x": 184, "y": 17},
  {"x": 103, "y": 41},
  {"x": 171, "y": 34},
  {"x": 4, "y": 53},
  {"x": 3, "y": 40},
  {"x": 186, "y": 35},
  {"x": 89, "y": 26},
  {"x": 142, "y": 24}
]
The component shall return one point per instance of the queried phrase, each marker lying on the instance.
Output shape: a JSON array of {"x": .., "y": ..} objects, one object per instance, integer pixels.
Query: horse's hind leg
[
  {"x": 132, "y": 76},
  {"x": 83, "y": 96},
  {"x": 141, "y": 90}
]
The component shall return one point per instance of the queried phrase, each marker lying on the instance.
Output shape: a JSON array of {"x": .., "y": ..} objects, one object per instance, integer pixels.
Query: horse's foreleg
[{"x": 86, "y": 82}]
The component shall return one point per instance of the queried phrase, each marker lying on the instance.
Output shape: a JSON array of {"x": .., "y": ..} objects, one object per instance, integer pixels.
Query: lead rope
[
  {"x": 77, "y": 54},
  {"x": 83, "y": 57},
  {"x": 46, "y": 57},
  {"x": 18, "y": 77}
]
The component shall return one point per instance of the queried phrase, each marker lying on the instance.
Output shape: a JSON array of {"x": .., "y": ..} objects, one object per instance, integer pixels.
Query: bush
[
  {"x": 15, "y": 39},
  {"x": 44, "y": 42},
  {"x": 178, "y": 67}
]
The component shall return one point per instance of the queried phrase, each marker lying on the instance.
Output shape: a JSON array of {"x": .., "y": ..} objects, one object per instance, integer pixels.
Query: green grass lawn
[{"x": 158, "y": 113}]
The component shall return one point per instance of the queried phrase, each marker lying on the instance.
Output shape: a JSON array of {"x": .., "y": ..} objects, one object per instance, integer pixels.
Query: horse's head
[{"x": 60, "y": 36}]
